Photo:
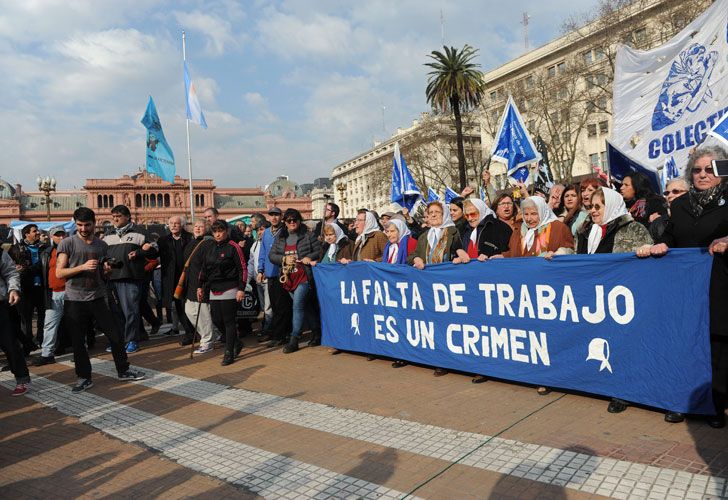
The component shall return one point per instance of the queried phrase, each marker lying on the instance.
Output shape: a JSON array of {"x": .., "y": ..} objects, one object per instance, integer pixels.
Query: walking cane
[{"x": 194, "y": 333}]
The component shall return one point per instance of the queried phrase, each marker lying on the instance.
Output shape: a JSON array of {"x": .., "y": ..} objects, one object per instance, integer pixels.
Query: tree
[{"x": 455, "y": 85}]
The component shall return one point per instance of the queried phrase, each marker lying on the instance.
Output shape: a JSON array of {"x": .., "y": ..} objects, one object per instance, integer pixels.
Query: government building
[{"x": 151, "y": 199}]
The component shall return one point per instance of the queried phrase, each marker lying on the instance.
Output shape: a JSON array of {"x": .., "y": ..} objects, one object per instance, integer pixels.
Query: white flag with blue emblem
[
  {"x": 404, "y": 189},
  {"x": 667, "y": 99},
  {"x": 513, "y": 146}
]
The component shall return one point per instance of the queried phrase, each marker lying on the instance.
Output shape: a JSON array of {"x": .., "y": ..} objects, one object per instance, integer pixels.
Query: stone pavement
[{"x": 313, "y": 425}]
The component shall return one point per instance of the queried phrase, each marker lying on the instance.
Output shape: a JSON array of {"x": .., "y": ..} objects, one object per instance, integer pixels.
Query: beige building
[
  {"x": 429, "y": 149},
  {"x": 564, "y": 88}
]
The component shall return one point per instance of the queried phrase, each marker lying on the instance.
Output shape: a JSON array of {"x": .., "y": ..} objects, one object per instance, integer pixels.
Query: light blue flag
[
  {"x": 194, "y": 111},
  {"x": 483, "y": 195},
  {"x": 160, "y": 160},
  {"x": 513, "y": 146},
  {"x": 720, "y": 130},
  {"x": 432, "y": 195},
  {"x": 450, "y": 194},
  {"x": 404, "y": 189}
]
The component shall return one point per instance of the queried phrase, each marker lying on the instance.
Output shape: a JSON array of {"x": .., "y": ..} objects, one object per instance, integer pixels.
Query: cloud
[
  {"x": 217, "y": 30},
  {"x": 259, "y": 105}
]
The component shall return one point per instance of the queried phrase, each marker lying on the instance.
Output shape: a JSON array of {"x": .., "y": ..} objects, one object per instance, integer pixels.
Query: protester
[
  {"x": 486, "y": 235},
  {"x": 55, "y": 299},
  {"x": 507, "y": 211},
  {"x": 697, "y": 219},
  {"x": 641, "y": 201},
  {"x": 27, "y": 256},
  {"x": 81, "y": 260},
  {"x": 400, "y": 243},
  {"x": 572, "y": 212},
  {"x": 554, "y": 199},
  {"x": 197, "y": 309},
  {"x": 267, "y": 271},
  {"x": 294, "y": 249},
  {"x": 336, "y": 245},
  {"x": 260, "y": 289},
  {"x": 541, "y": 233},
  {"x": 331, "y": 214},
  {"x": 9, "y": 297},
  {"x": 223, "y": 276},
  {"x": 211, "y": 214},
  {"x": 456, "y": 213},
  {"x": 171, "y": 256},
  {"x": 128, "y": 245},
  {"x": 658, "y": 222},
  {"x": 370, "y": 241},
  {"x": 586, "y": 189}
]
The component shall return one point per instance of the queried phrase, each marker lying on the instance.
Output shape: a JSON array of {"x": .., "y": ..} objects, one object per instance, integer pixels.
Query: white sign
[{"x": 668, "y": 98}]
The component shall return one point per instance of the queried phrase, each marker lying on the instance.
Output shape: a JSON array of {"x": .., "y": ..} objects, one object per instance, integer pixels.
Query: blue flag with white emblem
[
  {"x": 450, "y": 194},
  {"x": 432, "y": 195},
  {"x": 160, "y": 159},
  {"x": 404, "y": 189},
  {"x": 620, "y": 165},
  {"x": 513, "y": 146}
]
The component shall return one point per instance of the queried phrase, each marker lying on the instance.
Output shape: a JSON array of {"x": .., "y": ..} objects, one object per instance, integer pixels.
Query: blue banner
[
  {"x": 595, "y": 323},
  {"x": 160, "y": 160}
]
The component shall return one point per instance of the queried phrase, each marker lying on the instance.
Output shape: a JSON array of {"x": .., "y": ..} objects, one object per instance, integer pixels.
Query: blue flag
[
  {"x": 432, "y": 195},
  {"x": 513, "y": 146},
  {"x": 404, "y": 189},
  {"x": 671, "y": 170},
  {"x": 720, "y": 131},
  {"x": 620, "y": 165},
  {"x": 483, "y": 194},
  {"x": 450, "y": 194},
  {"x": 194, "y": 111},
  {"x": 160, "y": 159}
]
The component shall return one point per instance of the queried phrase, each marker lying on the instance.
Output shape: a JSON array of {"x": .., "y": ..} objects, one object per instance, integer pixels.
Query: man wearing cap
[
  {"x": 55, "y": 289},
  {"x": 268, "y": 272}
]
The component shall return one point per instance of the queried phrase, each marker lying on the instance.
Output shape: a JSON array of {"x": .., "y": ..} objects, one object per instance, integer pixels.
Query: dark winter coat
[
  {"x": 171, "y": 267},
  {"x": 307, "y": 245},
  {"x": 623, "y": 235},
  {"x": 493, "y": 236},
  {"x": 223, "y": 267},
  {"x": 192, "y": 276}
]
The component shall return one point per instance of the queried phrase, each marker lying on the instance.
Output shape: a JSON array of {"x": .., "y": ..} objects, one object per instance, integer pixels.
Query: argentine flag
[
  {"x": 513, "y": 146},
  {"x": 194, "y": 111}
]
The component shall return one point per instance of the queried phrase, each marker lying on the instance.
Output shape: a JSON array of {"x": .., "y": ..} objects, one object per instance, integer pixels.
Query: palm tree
[{"x": 455, "y": 84}]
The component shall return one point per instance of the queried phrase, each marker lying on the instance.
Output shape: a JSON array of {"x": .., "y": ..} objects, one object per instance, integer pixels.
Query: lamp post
[
  {"x": 341, "y": 188},
  {"x": 47, "y": 185}
]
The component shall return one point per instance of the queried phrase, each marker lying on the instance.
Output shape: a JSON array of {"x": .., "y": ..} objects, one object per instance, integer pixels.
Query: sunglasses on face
[
  {"x": 673, "y": 191},
  {"x": 471, "y": 215},
  {"x": 708, "y": 170},
  {"x": 596, "y": 207},
  {"x": 290, "y": 220}
]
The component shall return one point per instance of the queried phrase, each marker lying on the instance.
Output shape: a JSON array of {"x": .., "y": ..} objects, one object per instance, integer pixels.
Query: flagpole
[{"x": 189, "y": 157}]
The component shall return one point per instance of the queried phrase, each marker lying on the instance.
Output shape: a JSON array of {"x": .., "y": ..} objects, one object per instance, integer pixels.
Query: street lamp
[
  {"x": 341, "y": 187},
  {"x": 47, "y": 185}
]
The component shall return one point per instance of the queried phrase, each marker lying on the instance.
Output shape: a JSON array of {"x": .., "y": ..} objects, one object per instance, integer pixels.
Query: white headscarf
[
  {"x": 434, "y": 234},
  {"x": 483, "y": 212},
  {"x": 614, "y": 208},
  {"x": 394, "y": 247},
  {"x": 370, "y": 226},
  {"x": 331, "y": 252},
  {"x": 545, "y": 216}
]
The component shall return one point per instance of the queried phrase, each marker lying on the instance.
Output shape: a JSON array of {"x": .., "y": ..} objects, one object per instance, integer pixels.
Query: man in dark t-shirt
[{"x": 81, "y": 263}]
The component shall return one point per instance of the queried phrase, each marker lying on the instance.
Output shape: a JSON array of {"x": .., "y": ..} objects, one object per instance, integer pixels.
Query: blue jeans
[
  {"x": 129, "y": 295},
  {"x": 302, "y": 308},
  {"x": 52, "y": 322}
]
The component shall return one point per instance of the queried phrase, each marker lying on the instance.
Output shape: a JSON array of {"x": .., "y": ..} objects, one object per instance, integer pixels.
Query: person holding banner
[
  {"x": 641, "y": 202},
  {"x": 698, "y": 219},
  {"x": 486, "y": 236},
  {"x": 336, "y": 245},
  {"x": 370, "y": 241},
  {"x": 507, "y": 211},
  {"x": 611, "y": 229},
  {"x": 541, "y": 234}
]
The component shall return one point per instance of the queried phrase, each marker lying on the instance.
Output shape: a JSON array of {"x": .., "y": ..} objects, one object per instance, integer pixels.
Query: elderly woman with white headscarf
[
  {"x": 541, "y": 234},
  {"x": 611, "y": 229},
  {"x": 370, "y": 241},
  {"x": 400, "y": 242},
  {"x": 336, "y": 245},
  {"x": 486, "y": 236},
  {"x": 442, "y": 241}
]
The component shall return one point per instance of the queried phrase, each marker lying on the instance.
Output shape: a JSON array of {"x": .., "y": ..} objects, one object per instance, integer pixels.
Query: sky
[{"x": 291, "y": 87}]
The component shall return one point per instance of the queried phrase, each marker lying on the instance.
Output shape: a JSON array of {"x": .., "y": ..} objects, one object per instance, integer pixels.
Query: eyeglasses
[
  {"x": 708, "y": 170},
  {"x": 595, "y": 207},
  {"x": 505, "y": 204},
  {"x": 471, "y": 215},
  {"x": 674, "y": 191},
  {"x": 290, "y": 220}
]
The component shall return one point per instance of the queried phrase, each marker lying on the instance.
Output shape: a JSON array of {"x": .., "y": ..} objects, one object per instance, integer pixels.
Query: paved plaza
[{"x": 314, "y": 425}]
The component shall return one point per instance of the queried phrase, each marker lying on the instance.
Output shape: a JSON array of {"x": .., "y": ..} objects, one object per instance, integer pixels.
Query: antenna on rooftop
[{"x": 524, "y": 22}]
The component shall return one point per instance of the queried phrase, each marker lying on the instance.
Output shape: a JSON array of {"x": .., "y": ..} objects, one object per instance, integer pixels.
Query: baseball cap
[
  {"x": 56, "y": 230},
  {"x": 275, "y": 211}
]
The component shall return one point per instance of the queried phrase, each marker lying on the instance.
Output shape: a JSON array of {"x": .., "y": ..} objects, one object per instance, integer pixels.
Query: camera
[{"x": 112, "y": 262}]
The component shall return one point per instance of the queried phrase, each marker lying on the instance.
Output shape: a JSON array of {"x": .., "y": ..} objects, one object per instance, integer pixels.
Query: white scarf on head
[
  {"x": 545, "y": 217},
  {"x": 403, "y": 231},
  {"x": 331, "y": 252},
  {"x": 435, "y": 232},
  {"x": 614, "y": 208},
  {"x": 483, "y": 212},
  {"x": 370, "y": 226}
]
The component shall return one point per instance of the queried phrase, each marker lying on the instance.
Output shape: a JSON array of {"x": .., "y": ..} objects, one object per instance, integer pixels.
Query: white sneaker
[{"x": 204, "y": 348}]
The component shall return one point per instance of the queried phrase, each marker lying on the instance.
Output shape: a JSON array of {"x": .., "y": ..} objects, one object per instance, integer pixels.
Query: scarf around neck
[
  {"x": 545, "y": 217},
  {"x": 614, "y": 208}
]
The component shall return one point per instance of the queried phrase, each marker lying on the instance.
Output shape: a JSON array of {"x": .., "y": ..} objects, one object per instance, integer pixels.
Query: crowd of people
[{"x": 81, "y": 283}]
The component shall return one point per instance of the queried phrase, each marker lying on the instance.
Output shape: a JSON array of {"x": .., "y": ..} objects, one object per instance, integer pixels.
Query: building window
[
  {"x": 532, "y": 125},
  {"x": 591, "y": 129},
  {"x": 137, "y": 200},
  {"x": 640, "y": 37},
  {"x": 551, "y": 71},
  {"x": 587, "y": 57},
  {"x": 603, "y": 157},
  {"x": 561, "y": 68},
  {"x": 594, "y": 160},
  {"x": 493, "y": 96},
  {"x": 599, "y": 54},
  {"x": 555, "y": 117},
  {"x": 604, "y": 127},
  {"x": 530, "y": 83},
  {"x": 99, "y": 201},
  {"x": 160, "y": 200},
  {"x": 111, "y": 200},
  {"x": 166, "y": 200}
]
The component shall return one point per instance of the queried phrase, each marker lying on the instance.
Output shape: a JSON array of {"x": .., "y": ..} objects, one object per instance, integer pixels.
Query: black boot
[
  {"x": 292, "y": 346},
  {"x": 315, "y": 340},
  {"x": 238, "y": 347},
  {"x": 228, "y": 358}
]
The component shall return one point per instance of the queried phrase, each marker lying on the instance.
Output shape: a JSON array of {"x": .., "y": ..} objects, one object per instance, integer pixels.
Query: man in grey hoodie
[{"x": 9, "y": 297}]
